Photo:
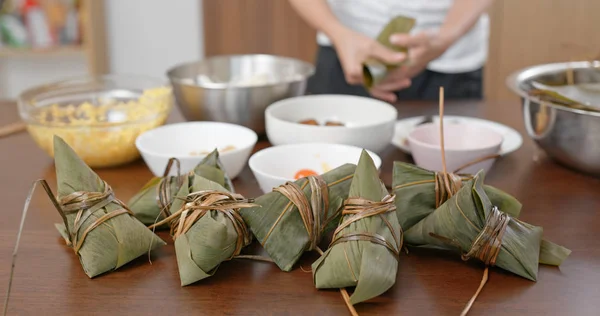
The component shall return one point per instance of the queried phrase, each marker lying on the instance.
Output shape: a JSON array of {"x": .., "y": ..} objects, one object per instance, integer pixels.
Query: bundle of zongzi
[
  {"x": 366, "y": 244},
  {"x": 158, "y": 193},
  {"x": 206, "y": 226},
  {"x": 470, "y": 223},
  {"x": 421, "y": 191},
  {"x": 292, "y": 218},
  {"x": 374, "y": 70},
  {"x": 101, "y": 229}
]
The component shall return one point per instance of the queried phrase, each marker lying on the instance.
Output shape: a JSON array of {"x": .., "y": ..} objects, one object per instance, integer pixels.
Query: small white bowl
[
  {"x": 186, "y": 141},
  {"x": 275, "y": 166},
  {"x": 369, "y": 123},
  {"x": 464, "y": 143}
]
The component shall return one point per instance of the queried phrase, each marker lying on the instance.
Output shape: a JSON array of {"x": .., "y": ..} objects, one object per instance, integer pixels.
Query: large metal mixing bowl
[
  {"x": 237, "y": 89},
  {"x": 570, "y": 136}
]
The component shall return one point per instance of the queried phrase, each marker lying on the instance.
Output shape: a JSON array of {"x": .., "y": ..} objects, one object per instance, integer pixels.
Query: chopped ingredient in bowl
[
  {"x": 309, "y": 122},
  {"x": 303, "y": 173},
  {"x": 315, "y": 123},
  {"x": 102, "y": 135}
]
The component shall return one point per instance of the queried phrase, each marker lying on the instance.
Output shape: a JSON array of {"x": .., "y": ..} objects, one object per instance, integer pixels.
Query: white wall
[
  {"x": 143, "y": 37},
  {"x": 149, "y": 36}
]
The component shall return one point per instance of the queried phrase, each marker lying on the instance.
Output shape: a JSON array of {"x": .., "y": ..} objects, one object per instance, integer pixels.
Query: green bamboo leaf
[
  {"x": 458, "y": 222},
  {"x": 415, "y": 195},
  {"x": 415, "y": 191},
  {"x": 283, "y": 234},
  {"x": 399, "y": 24},
  {"x": 209, "y": 242},
  {"x": 144, "y": 203},
  {"x": 113, "y": 243},
  {"x": 369, "y": 266}
]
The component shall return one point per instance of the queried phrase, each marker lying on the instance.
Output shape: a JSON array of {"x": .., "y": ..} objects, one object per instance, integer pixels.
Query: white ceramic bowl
[
  {"x": 186, "y": 141},
  {"x": 275, "y": 166},
  {"x": 369, "y": 123},
  {"x": 463, "y": 143}
]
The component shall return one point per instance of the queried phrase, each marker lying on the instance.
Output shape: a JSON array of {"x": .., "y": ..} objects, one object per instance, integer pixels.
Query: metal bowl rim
[
  {"x": 222, "y": 86},
  {"x": 519, "y": 76}
]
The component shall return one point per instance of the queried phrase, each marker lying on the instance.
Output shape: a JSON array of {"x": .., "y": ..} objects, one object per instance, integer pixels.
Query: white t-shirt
[{"x": 370, "y": 16}]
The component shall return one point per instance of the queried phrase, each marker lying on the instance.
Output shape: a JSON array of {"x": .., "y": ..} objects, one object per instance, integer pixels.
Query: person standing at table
[{"x": 447, "y": 47}]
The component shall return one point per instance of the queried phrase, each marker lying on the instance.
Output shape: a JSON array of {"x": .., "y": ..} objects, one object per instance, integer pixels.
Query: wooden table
[{"x": 49, "y": 278}]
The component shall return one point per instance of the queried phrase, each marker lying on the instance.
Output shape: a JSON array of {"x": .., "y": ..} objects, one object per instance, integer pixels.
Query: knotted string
[
  {"x": 446, "y": 185},
  {"x": 357, "y": 209},
  {"x": 485, "y": 247},
  {"x": 310, "y": 212},
  {"x": 164, "y": 194},
  {"x": 84, "y": 204},
  {"x": 315, "y": 221},
  {"x": 198, "y": 204}
]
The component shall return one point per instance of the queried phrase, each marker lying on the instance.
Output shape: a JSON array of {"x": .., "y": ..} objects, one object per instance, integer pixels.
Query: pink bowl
[{"x": 464, "y": 143}]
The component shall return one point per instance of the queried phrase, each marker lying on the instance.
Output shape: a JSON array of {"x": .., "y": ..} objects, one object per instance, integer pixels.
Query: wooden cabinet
[
  {"x": 530, "y": 32},
  {"x": 256, "y": 26}
]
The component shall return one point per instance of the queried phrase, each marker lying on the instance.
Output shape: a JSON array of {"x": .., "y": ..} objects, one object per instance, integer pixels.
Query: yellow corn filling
[{"x": 102, "y": 135}]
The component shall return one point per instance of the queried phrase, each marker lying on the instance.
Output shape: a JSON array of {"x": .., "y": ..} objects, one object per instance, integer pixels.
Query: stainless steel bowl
[
  {"x": 569, "y": 136},
  {"x": 237, "y": 89}
]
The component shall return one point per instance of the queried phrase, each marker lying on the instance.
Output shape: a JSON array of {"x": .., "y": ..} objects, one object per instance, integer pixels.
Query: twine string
[
  {"x": 357, "y": 209},
  {"x": 485, "y": 247},
  {"x": 313, "y": 213},
  {"x": 164, "y": 195},
  {"x": 83, "y": 203},
  {"x": 198, "y": 204}
]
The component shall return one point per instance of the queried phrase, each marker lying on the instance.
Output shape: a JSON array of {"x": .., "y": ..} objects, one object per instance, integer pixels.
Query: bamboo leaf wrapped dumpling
[
  {"x": 470, "y": 223},
  {"x": 421, "y": 191},
  {"x": 365, "y": 247},
  {"x": 206, "y": 226},
  {"x": 292, "y": 219},
  {"x": 374, "y": 70},
  {"x": 158, "y": 193},
  {"x": 101, "y": 229}
]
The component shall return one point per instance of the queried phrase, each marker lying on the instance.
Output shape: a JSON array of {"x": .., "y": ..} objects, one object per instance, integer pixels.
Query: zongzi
[
  {"x": 206, "y": 226},
  {"x": 157, "y": 195},
  {"x": 292, "y": 218},
  {"x": 421, "y": 191},
  {"x": 373, "y": 70},
  {"x": 101, "y": 230},
  {"x": 365, "y": 247},
  {"x": 470, "y": 223}
]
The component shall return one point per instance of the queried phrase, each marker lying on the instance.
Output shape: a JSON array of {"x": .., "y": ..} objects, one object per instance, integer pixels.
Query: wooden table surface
[{"x": 49, "y": 278}]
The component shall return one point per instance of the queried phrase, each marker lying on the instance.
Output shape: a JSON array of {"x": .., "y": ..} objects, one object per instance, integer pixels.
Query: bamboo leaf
[
  {"x": 462, "y": 218},
  {"x": 144, "y": 204},
  {"x": 415, "y": 191},
  {"x": 369, "y": 266},
  {"x": 280, "y": 229},
  {"x": 399, "y": 24},
  {"x": 117, "y": 240}
]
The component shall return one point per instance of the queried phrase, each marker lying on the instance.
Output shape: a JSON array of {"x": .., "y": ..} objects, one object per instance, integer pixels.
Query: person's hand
[
  {"x": 422, "y": 48},
  {"x": 354, "y": 49}
]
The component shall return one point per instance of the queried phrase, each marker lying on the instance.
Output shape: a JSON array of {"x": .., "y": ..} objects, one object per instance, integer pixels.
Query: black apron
[{"x": 329, "y": 79}]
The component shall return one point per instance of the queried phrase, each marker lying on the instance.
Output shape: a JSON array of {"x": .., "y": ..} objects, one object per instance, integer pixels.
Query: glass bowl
[{"x": 98, "y": 116}]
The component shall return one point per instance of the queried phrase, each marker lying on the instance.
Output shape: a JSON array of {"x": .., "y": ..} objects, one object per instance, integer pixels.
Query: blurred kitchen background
[{"x": 74, "y": 37}]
